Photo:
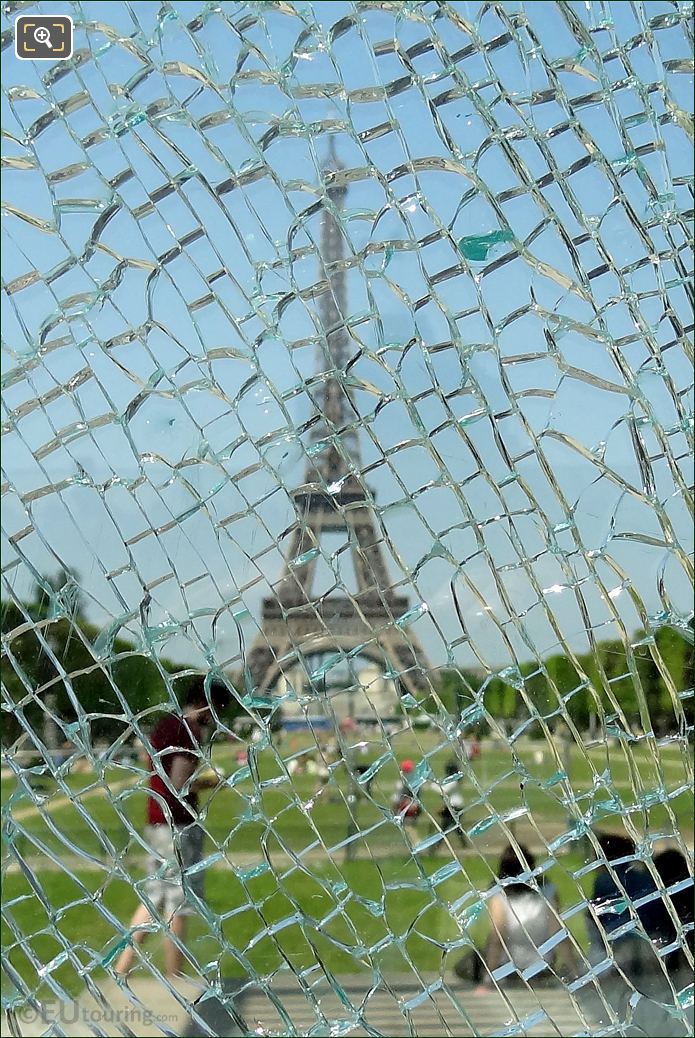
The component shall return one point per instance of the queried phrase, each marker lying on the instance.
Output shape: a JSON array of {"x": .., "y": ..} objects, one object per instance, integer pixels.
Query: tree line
[
  {"x": 646, "y": 686},
  {"x": 49, "y": 645}
]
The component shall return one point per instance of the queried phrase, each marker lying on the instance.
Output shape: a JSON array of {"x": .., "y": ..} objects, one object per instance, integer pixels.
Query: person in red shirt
[
  {"x": 173, "y": 834},
  {"x": 405, "y": 802}
]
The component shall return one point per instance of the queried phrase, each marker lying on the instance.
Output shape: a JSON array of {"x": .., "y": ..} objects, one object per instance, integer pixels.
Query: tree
[
  {"x": 676, "y": 650},
  {"x": 55, "y": 662},
  {"x": 456, "y": 690},
  {"x": 573, "y": 693}
]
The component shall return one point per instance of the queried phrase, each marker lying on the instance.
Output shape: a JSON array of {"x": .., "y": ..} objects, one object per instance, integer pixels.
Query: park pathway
[{"x": 287, "y": 1006}]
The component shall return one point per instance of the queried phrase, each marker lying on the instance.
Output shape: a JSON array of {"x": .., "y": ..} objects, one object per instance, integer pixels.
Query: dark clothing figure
[
  {"x": 673, "y": 871},
  {"x": 631, "y": 950},
  {"x": 638, "y": 989},
  {"x": 363, "y": 787},
  {"x": 640, "y": 890},
  {"x": 173, "y": 736}
]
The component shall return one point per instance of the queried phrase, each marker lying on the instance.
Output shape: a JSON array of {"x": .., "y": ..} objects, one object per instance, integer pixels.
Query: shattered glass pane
[{"x": 347, "y": 537}]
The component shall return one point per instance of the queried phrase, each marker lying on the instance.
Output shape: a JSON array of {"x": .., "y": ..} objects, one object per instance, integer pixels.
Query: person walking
[
  {"x": 173, "y": 833},
  {"x": 452, "y": 801}
]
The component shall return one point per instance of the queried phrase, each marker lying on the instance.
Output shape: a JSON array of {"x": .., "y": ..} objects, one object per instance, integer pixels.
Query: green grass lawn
[
  {"x": 101, "y": 815},
  {"x": 390, "y": 906},
  {"x": 392, "y": 914}
]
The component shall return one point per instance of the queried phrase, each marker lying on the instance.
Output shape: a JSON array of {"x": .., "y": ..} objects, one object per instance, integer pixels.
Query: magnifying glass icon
[{"x": 42, "y": 35}]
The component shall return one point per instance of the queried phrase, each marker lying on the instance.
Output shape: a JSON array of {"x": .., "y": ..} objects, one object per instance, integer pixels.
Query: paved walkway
[
  {"x": 404, "y": 1004},
  {"x": 58, "y": 801},
  {"x": 493, "y": 844},
  {"x": 247, "y": 859},
  {"x": 410, "y": 1009},
  {"x": 401, "y": 1006}
]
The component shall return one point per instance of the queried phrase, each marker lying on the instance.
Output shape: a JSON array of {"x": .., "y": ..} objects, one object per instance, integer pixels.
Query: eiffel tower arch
[{"x": 296, "y": 625}]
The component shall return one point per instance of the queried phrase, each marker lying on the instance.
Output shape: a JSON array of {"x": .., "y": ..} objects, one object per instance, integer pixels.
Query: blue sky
[{"x": 506, "y": 407}]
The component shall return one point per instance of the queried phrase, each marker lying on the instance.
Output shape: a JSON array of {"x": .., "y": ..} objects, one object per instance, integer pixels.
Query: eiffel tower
[{"x": 296, "y": 625}]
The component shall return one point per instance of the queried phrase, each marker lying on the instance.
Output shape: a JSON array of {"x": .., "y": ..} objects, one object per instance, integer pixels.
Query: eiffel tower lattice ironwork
[{"x": 296, "y": 625}]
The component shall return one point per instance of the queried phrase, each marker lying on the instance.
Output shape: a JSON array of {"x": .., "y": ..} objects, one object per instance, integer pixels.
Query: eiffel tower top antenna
[
  {"x": 332, "y": 156},
  {"x": 335, "y": 400}
]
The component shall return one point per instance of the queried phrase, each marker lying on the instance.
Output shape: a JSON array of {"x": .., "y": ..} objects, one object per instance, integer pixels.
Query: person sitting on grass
[
  {"x": 523, "y": 918},
  {"x": 630, "y": 929},
  {"x": 621, "y": 882},
  {"x": 173, "y": 832}
]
